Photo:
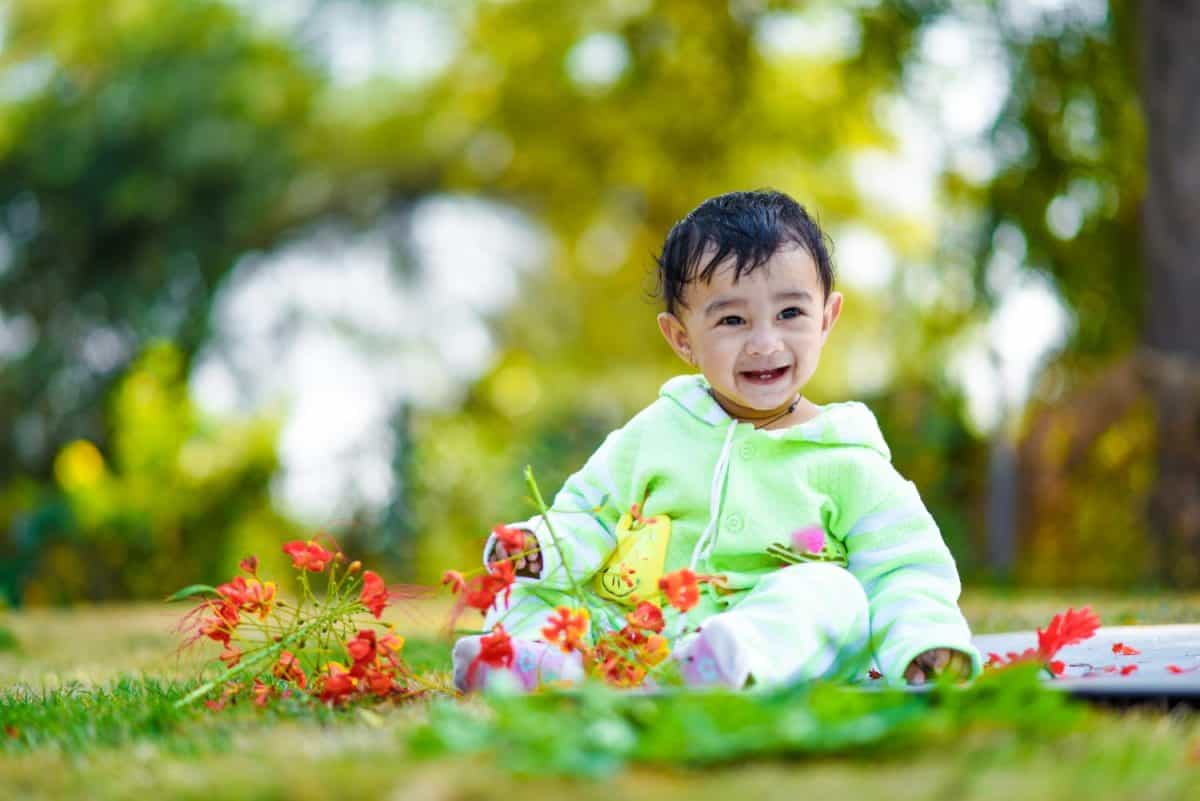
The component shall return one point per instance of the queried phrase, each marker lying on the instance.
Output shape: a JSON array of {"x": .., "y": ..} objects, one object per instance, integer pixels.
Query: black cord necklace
[
  {"x": 791, "y": 408},
  {"x": 781, "y": 415}
]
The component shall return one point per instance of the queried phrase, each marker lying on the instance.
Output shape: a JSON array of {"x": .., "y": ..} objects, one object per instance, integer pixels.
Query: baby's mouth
[{"x": 764, "y": 376}]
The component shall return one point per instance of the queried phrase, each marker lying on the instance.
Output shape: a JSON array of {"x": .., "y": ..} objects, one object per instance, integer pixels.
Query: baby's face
[{"x": 757, "y": 341}]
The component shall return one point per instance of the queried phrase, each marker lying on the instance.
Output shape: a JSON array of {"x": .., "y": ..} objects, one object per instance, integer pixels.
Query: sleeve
[
  {"x": 584, "y": 516},
  {"x": 897, "y": 553}
]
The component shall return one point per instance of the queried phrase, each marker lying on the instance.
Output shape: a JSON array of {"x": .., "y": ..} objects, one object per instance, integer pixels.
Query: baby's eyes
[{"x": 787, "y": 314}]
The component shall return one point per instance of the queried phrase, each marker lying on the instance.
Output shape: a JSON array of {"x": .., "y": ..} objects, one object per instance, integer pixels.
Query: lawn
[{"x": 105, "y": 739}]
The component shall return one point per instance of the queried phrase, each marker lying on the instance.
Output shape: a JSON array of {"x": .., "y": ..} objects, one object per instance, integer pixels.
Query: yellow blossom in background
[{"x": 79, "y": 465}]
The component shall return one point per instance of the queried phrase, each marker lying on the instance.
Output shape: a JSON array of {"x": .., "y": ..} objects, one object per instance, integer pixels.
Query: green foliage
[
  {"x": 179, "y": 497},
  {"x": 1072, "y": 131},
  {"x": 596, "y": 731},
  {"x": 8, "y": 640},
  {"x": 78, "y": 718},
  {"x": 81, "y": 718},
  {"x": 151, "y": 145}
]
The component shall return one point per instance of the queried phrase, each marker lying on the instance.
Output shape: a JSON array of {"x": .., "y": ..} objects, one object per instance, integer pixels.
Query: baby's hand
[
  {"x": 529, "y": 565},
  {"x": 936, "y": 661}
]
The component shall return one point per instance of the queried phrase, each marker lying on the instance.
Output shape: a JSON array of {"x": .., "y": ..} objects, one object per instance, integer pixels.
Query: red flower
[
  {"x": 1066, "y": 629},
  {"x": 378, "y": 682},
  {"x": 374, "y": 594},
  {"x": 511, "y": 537},
  {"x": 500, "y": 579},
  {"x": 231, "y": 655},
  {"x": 307, "y": 555},
  {"x": 631, "y": 636},
  {"x": 288, "y": 668},
  {"x": 682, "y": 589},
  {"x": 249, "y": 596},
  {"x": 568, "y": 629},
  {"x": 455, "y": 581},
  {"x": 1121, "y": 649},
  {"x": 495, "y": 650},
  {"x": 236, "y": 591},
  {"x": 647, "y": 616},
  {"x": 1125, "y": 671},
  {"x": 654, "y": 650},
  {"x": 362, "y": 648},
  {"x": 1176, "y": 669},
  {"x": 337, "y": 683},
  {"x": 262, "y": 693},
  {"x": 220, "y": 627},
  {"x": 390, "y": 643},
  {"x": 250, "y": 565},
  {"x": 615, "y": 668},
  {"x": 481, "y": 592}
]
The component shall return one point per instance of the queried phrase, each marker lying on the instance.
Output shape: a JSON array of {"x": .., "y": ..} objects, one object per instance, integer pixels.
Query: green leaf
[{"x": 190, "y": 591}]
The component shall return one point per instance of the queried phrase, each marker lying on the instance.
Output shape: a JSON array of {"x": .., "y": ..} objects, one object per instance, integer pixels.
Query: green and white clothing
[{"x": 731, "y": 491}]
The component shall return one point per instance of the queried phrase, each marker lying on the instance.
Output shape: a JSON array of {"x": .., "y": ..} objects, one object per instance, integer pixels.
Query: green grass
[{"x": 90, "y": 693}]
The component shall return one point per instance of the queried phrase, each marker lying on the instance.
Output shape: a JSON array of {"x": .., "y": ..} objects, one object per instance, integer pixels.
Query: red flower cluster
[
  {"x": 241, "y": 612},
  {"x": 376, "y": 669},
  {"x": 308, "y": 555},
  {"x": 495, "y": 650},
  {"x": 249, "y": 596},
  {"x": 681, "y": 588},
  {"x": 374, "y": 595},
  {"x": 511, "y": 537},
  {"x": 567, "y": 629},
  {"x": 221, "y": 625},
  {"x": 623, "y": 658},
  {"x": 1066, "y": 628},
  {"x": 483, "y": 591}
]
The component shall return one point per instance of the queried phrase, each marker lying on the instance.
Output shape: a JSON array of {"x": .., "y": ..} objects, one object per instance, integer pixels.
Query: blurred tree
[
  {"x": 1098, "y": 174},
  {"x": 144, "y": 146},
  {"x": 1074, "y": 194},
  {"x": 1068, "y": 153},
  {"x": 1171, "y": 219}
]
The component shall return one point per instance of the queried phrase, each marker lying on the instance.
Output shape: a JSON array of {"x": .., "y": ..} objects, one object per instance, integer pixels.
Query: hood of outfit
[{"x": 732, "y": 492}]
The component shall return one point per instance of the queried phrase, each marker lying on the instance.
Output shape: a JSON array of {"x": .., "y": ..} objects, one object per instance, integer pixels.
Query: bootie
[
  {"x": 534, "y": 663},
  {"x": 709, "y": 658}
]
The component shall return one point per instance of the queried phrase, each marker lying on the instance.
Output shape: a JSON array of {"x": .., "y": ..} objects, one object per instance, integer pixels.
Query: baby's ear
[
  {"x": 676, "y": 336},
  {"x": 831, "y": 313}
]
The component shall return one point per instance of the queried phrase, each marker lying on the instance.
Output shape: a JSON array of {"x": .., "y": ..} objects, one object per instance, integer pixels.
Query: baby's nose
[{"x": 764, "y": 342}]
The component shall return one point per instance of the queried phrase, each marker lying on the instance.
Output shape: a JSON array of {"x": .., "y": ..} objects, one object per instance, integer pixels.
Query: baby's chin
[{"x": 758, "y": 399}]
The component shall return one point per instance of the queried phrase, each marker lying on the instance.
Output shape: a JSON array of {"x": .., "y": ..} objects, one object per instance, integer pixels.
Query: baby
[{"x": 723, "y": 468}]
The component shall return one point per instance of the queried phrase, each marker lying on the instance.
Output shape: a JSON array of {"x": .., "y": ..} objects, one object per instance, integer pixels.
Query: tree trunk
[{"x": 1171, "y": 225}]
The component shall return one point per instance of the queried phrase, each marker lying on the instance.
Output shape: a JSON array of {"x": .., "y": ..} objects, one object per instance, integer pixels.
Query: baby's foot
[
  {"x": 534, "y": 663},
  {"x": 709, "y": 659}
]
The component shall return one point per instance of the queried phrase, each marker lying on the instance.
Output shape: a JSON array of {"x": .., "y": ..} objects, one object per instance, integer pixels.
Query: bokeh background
[{"x": 273, "y": 268}]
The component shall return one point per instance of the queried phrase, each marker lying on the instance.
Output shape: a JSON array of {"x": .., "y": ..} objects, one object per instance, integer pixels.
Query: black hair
[{"x": 751, "y": 227}]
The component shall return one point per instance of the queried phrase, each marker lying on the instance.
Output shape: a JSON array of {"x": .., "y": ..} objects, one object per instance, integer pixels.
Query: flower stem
[
  {"x": 255, "y": 661},
  {"x": 545, "y": 511}
]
